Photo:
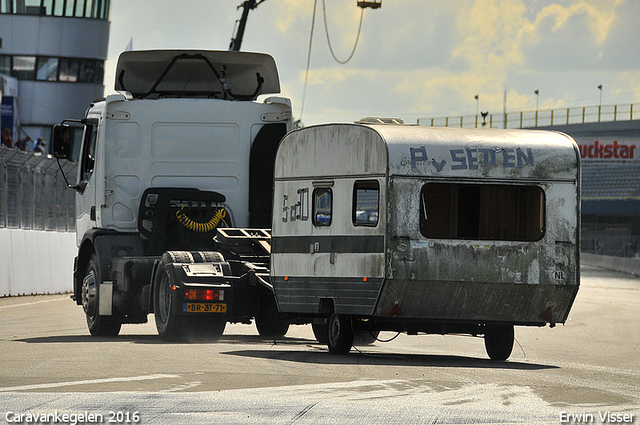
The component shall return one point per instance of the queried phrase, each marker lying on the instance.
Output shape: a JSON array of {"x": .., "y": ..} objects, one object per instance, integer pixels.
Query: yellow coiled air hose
[{"x": 202, "y": 227}]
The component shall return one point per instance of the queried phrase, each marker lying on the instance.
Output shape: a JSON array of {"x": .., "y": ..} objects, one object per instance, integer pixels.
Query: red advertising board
[{"x": 615, "y": 149}]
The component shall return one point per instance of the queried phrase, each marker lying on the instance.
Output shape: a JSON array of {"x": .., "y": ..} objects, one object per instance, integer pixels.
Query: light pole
[
  {"x": 477, "y": 101},
  {"x": 600, "y": 106},
  {"x": 537, "y": 92},
  {"x": 600, "y": 88}
]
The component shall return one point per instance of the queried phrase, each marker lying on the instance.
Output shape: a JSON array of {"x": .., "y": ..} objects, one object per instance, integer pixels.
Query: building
[
  {"x": 56, "y": 49},
  {"x": 609, "y": 140},
  {"x": 610, "y": 153}
]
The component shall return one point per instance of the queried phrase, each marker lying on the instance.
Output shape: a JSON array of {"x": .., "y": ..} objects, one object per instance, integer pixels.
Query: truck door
[{"x": 86, "y": 202}]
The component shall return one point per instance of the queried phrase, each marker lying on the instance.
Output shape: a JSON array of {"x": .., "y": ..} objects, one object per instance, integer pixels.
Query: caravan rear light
[{"x": 204, "y": 294}]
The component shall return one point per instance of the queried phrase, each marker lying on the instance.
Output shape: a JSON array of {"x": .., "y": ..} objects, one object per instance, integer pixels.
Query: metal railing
[
  {"x": 33, "y": 193},
  {"x": 540, "y": 118}
]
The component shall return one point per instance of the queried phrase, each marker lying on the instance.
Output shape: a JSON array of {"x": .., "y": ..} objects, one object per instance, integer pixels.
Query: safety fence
[
  {"x": 33, "y": 193},
  {"x": 539, "y": 118},
  {"x": 612, "y": 245}
]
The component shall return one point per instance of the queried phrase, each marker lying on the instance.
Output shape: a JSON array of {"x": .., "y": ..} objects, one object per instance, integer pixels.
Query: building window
[
  {"x": 47, "y": 69},
  {"x": 366, "y": 199},
  {"x": 94, "y": 9},
  {"x": 482, "y": 211},
  {"x": 5, "y": 65},
  {"x": 88, "y": 71},
  {"x": 322, "y": 206},
  {"x": 24, "y": 67},
  {"x": 69, "y": 70},
  {"x": 43, "y": 68}
]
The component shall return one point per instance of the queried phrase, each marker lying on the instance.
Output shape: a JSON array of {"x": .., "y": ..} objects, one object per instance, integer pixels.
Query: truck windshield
[{"x": 482, "y": 211}]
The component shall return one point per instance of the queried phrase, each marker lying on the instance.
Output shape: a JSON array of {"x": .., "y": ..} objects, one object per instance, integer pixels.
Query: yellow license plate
[{"x": 204, "y": 308}]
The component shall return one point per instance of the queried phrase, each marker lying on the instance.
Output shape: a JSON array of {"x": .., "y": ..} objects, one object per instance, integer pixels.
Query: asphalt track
[{"x": 570, "y": 374}]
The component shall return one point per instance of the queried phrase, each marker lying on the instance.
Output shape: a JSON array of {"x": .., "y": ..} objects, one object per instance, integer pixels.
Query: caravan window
[
  {"x": 366, "y": 196},
  {"x": 482, "y": 211},
  {"x": 322, "y": 206}
]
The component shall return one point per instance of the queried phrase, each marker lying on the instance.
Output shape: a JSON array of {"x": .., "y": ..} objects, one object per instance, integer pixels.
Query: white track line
[{"x": 85, "y": 382}]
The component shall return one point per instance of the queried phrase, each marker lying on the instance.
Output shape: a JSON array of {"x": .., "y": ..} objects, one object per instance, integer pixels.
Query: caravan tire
[
  {"x": 340, "y": 334},
  {"x": 321, "y": 332},
  {"x": 498, "y": 341},
  {"x": 269, "y": 322}
]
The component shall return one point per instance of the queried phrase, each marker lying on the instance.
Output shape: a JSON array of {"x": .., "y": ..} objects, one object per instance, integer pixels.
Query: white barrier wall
[
  {"x": 36, "y": 262},
  {"x": 621, "y": 264}
]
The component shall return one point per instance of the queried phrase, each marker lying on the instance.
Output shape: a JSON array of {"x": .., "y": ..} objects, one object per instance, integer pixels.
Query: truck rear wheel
[
  {"x": 340, "y": 334},
  {"x": 498, "y": 341},
  {"x": 268, "y": 321},
  {"x": 98, "y": 325},
  {"x": 166, "y": 306}
]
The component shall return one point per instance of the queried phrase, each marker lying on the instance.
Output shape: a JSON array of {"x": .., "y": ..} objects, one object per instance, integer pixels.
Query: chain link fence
[{"x": 33, "y": 193}]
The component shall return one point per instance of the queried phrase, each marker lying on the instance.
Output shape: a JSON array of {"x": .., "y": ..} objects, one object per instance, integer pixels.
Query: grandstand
[{"x": 610, "y": 185}]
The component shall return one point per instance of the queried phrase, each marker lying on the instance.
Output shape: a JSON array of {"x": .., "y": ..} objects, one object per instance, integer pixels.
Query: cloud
[{"x": 415, "y": 58}]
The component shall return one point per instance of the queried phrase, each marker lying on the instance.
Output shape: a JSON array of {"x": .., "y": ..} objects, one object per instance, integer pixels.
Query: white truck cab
[{"x": 184, "y": 147}]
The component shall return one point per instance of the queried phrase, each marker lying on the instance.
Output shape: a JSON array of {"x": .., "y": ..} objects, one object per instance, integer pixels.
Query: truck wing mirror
[
  {"x": 62, "y": 150},
  {"x": 61, "y": 141}
]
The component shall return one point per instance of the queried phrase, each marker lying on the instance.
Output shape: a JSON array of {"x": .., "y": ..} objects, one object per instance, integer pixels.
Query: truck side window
[
  {"x": 322, "y": 206},
  {"x": 366, "y": 197},
  {"x": 89, "y": 151},
  {"x": 482, "y": 211}
]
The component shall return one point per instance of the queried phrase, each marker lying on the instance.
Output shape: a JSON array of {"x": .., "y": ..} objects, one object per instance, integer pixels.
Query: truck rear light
[{"x": 204, "y": 294}]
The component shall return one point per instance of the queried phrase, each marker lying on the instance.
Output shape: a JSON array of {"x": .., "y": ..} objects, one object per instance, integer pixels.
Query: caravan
[{"x": 381, "y": 227}]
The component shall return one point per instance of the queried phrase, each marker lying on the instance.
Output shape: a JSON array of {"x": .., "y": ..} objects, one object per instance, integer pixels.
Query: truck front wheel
[
  {"x": 166, "y": 306},
  {"x": 98, "y": 325},
  {"x": 340, "y": 334}
]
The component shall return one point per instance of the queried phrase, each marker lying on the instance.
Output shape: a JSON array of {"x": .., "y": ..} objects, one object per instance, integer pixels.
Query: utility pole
[{"x": 237, "y": 40}]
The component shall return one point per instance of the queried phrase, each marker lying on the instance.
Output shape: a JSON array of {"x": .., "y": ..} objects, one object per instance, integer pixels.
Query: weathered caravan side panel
[
  {"x": 325, "y": 247},
  {"x": 483, "y": 224}
]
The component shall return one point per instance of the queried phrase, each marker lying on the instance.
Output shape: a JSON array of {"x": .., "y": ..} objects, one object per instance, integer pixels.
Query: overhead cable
[{"x": 326, "y": 30}]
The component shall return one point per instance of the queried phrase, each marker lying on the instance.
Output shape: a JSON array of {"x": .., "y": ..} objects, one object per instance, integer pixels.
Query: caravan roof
[{"x": 359, "y": 149}]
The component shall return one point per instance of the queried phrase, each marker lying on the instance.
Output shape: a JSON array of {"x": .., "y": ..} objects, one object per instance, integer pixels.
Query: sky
[{"x": 415, "y": 59}]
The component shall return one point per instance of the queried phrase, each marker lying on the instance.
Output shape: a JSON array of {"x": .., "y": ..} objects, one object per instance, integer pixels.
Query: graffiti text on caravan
[{"x": 472, "y": 158}]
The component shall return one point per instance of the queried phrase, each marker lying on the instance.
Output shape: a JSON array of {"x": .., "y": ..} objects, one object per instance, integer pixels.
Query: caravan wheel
[
  {"x": 340, "y": 334},
  {"x": 498, "y": 341},
  {"x": 321, "y": 331}
]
